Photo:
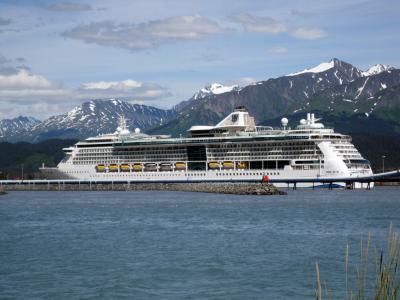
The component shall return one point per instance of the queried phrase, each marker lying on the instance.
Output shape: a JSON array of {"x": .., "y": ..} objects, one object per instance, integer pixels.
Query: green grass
[{"x": 386, "y": 285}]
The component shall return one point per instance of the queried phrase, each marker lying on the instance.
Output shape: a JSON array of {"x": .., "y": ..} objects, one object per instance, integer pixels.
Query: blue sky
[{"x": 57, "y": 54}]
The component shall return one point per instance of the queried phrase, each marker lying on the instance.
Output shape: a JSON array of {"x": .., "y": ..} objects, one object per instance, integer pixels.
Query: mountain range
[
  {"x": 92, "y": 118},
  {"x": 334, "y": 89}
]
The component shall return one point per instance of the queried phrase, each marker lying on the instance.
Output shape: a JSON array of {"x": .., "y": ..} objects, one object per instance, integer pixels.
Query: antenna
[
  {"x": 122, "y": 122},
  {"x": 122, "y": 127}
]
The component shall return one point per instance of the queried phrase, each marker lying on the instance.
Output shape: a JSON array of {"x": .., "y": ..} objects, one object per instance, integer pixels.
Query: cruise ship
[{"x": 234, "y": 150}]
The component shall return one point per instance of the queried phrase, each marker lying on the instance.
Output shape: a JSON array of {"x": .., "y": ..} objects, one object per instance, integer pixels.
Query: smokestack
[{"x": 308, "y": 116}]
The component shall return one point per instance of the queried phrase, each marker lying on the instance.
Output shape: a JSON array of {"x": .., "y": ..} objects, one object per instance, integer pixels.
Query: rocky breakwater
[
  {"x": 219, "y": 188},
  {"x": 202, "y": 187}
]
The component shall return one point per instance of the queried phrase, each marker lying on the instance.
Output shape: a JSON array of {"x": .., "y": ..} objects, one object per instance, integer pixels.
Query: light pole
[{"x": 383, "y": 163}]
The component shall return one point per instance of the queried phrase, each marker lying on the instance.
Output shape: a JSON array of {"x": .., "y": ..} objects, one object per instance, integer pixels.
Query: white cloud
[
  {"x": 23, "y": 79},
  {"x": 253, "y": 23},
  {"x": 277, "y": 50},
  {"x": 69, "y": 7},
  {"x": 115, "y": 85},
  {"x": 26, "y": 88},
  {"x": 309, "y": 33},
  {"x": 126, "y": 89},
  {"x": 23, "y": 92},
  {"x": 25, "y": 85},
  {"x": 148, "y": 35}
]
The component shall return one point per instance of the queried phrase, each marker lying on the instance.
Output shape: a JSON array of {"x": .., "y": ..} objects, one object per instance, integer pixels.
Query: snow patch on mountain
[
  {"x": 214, "y": 89},
  {"x": 322, "y": 67},
  {"x": 376, "y": 69}
]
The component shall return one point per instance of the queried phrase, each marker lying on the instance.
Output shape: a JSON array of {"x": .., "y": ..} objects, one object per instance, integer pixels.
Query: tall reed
[{"x": 386, "y": 285}]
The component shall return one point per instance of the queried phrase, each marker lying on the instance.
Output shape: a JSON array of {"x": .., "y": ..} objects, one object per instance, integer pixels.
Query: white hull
[{"x": 284, "y": 177}]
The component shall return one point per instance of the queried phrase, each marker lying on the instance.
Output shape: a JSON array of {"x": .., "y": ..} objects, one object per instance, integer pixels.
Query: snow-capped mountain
[
  {"x": 17, "y": 127},
  {"x": 89, "y": 119},
  {"x": 376, "y": 69},
  {"x": 313, "y": 89},
  {"x": 100, "y": 116},
  {"x": 274, "y": 96},
  {"x": 332, "y": 87},
  {"x": 214, "y": 89}
]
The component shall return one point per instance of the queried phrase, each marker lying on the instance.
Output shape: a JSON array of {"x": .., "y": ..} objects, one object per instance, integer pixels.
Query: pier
[{"x": 230, "y": 187}]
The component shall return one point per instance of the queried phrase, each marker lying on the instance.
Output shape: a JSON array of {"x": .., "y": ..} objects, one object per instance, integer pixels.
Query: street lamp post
[{"x": 383, "y": 163}]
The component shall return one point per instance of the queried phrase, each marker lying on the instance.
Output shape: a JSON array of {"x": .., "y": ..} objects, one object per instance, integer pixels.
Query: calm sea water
[{"x": 177, "y": 245}]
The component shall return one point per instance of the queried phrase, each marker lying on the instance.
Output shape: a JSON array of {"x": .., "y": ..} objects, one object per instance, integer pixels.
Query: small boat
[
  {"x": 228, "y": 165},
  {"x": 150, "y": 167},
  {"x": 214, "y": 165},
  {"x": 165, "y": 167},
  {"x": 180, "y": 166},
  {"x": 100, "y": 168},
  {"x": 137, "y": 167},
  {"x": 124, "y": 168},
  {"x": 113, "y": 168}
]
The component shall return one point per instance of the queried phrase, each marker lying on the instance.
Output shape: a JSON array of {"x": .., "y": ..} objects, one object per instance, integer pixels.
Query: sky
[{"x": 55, "y": 55}]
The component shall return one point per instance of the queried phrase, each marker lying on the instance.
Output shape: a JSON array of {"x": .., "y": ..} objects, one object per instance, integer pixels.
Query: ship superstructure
[{"x": 233, "y": 150}]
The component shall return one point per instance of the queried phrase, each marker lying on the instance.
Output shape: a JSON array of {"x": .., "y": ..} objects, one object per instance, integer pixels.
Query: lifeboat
[
  {"x": 100, "y": 168},
  {"x": 214, "y": 165},
  {"x": 150, "y": 167},
  {"x": 124, "y": 168},
  {"x": 165, "y": 167},
  {"x": 242, "y": 165},
  {"x": 137, "y": 167},
  {"x": 180, "y": 166},
  {"x": 228, "y": 165},
  {"x": 113, "y": 168}
]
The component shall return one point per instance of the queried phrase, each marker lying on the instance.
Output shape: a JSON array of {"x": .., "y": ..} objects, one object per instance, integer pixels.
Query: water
[{"x": 177, "y": 245}]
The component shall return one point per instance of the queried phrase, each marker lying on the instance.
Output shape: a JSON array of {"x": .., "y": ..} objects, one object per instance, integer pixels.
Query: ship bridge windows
[
  {"x": 308, "y": 162},
  {"x": 357, "y": 163}
]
